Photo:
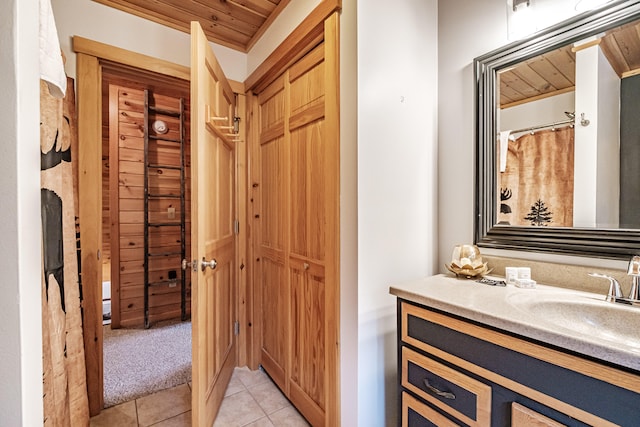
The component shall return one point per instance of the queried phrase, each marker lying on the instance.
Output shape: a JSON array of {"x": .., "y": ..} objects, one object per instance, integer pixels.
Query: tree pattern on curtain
[
  {"x": 539, "y": 173},
  {"x": 64, "y": 375}
]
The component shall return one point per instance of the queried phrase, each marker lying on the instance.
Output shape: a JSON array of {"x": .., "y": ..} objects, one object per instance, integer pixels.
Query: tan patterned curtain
[
  {"x": 537, "y": 186},
  {"x": 64, "y": 376}
]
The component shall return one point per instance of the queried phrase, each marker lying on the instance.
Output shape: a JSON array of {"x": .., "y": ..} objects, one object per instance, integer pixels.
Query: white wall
[
  {"x": 543, "y": 111},
  {"x": 586, "y": 138},
  {"x": 597, "y": 161},
  {"x": 541, "y": 14},
  {"x": 348, "y": 215},
  {"x": 20, "y": 228},
  {"x": 107, "y": 25},
  {"x": 466, "y": 29},
  {"x": 608, "y": 203},
  {"x": 397, "y": 154}
]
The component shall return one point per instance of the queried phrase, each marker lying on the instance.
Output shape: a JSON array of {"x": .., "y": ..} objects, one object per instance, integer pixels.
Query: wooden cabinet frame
[{"x": 535, "y": 352}]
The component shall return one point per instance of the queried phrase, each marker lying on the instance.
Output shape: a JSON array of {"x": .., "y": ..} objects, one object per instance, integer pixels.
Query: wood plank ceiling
[
  {"x": 554, "y": 72},
  {"x": 236, "y": 24}
]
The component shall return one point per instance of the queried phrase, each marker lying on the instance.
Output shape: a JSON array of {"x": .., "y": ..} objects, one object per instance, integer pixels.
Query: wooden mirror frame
[{"x": 593, "y": 242}]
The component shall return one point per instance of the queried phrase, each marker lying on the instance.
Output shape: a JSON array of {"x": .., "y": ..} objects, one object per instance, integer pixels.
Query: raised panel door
[{"x": 212, "y": 231}]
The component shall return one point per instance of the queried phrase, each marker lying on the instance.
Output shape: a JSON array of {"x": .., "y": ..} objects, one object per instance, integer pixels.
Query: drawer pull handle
[{"x": 435, "y": 391}]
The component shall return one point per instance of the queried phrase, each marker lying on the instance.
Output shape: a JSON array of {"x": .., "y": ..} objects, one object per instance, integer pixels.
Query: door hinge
[
  {"x": 236, "y": 328},
  {"x": 236, "y": 226}
]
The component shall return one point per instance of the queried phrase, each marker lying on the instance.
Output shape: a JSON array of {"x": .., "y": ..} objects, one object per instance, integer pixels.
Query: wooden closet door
[
  {"x": 295, "y": 174},
  {"x": 308, "y": 192},
  {"x": 272, "y": 199},
  {"x": 291, "y": 199}
]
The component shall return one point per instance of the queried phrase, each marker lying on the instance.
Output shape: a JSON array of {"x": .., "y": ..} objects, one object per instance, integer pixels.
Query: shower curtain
[
  {"x": 64, "y": 376},
  {"x": 537, "y": 186}
]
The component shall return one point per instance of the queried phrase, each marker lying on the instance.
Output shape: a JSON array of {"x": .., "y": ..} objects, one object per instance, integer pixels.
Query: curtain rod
[{"x": 550, "y": 125}]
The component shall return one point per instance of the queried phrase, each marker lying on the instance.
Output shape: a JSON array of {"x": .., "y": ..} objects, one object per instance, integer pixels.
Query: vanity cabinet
[{"x": 456, "y": 372}]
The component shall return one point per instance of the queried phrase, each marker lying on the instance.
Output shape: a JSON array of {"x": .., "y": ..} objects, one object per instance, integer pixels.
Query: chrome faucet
[
  {"x": 615, "y": 291},
  {"x": 634, "y": 272}
]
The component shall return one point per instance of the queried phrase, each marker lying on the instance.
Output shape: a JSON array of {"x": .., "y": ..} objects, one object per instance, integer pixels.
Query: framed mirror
[{"x": 558, "y": 138}]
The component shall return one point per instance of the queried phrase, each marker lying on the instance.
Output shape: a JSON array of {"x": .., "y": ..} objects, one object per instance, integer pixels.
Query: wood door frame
[{"x": 89, "y": 100}]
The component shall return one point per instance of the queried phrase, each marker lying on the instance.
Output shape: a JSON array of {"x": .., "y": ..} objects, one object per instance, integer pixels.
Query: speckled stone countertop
[{"x": 493, "y": 306}]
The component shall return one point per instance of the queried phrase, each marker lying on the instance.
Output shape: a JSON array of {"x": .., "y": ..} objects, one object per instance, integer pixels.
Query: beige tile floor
[{"x": 251, "y": 400}]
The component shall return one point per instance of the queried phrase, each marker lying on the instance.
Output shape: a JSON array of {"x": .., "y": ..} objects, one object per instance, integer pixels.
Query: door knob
[{"x": 211, "y": 264}]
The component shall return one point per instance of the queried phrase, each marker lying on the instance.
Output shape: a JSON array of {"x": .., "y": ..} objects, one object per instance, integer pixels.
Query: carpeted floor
[{"x": 138, "y": 362}]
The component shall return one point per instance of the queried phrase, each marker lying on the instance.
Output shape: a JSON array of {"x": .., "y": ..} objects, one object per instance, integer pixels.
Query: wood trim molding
[
  {"x": 114, "y": 205},
  {"x": 579, "y": 47},
  {"x": 522, "y": 416},
  {"x": 237, "y": 87},
  {"x": 132, "y": 59},
  {"x": 583, "y": 366},
  {"x": 305, "y": 36},
  {"x": 410, "y": 402},
  {"x": 254, "y": 288},
  {"x": 630, "y": 73},
  {"x": 245, "y": 306},
  {"x": 120, "y": 56},
  {"x": 89, "y": 95},
  {"x": 332, "y": 214},
  {"x": 480, "y": 390}
]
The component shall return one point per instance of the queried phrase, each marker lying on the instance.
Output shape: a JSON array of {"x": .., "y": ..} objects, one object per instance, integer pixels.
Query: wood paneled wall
[{"x": 123, "y": 200}]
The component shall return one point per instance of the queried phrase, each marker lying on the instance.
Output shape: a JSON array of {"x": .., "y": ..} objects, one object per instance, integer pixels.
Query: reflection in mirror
[
  {"x": 559, "y": 137},
  {"x": 542, "y": 180}
]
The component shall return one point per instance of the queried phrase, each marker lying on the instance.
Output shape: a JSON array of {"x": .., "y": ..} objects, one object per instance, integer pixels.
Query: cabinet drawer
[
  {"x": 521, "y": 416},
  {"x": 417, "y": 414},
  {"x": 465, "y": 398}
]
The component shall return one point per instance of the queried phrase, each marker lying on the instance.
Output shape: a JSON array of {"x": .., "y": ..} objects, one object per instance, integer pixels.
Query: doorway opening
[{"x": 145, "y": 232}]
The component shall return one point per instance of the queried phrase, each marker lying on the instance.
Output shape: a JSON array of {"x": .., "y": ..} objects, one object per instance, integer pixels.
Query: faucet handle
[{"x": 615, "y": 291}]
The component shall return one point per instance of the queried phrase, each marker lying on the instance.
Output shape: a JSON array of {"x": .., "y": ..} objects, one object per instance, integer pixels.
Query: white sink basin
[{"x": 582, "y": 313}]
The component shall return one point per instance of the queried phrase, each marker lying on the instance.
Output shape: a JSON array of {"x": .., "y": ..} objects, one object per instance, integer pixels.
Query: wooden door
[
  {"x": 212, "y": 232},
  {"x": 271, "y": 198},
  {"x": 295, "y": 195},
  {"x": 309, "y": 171}
]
